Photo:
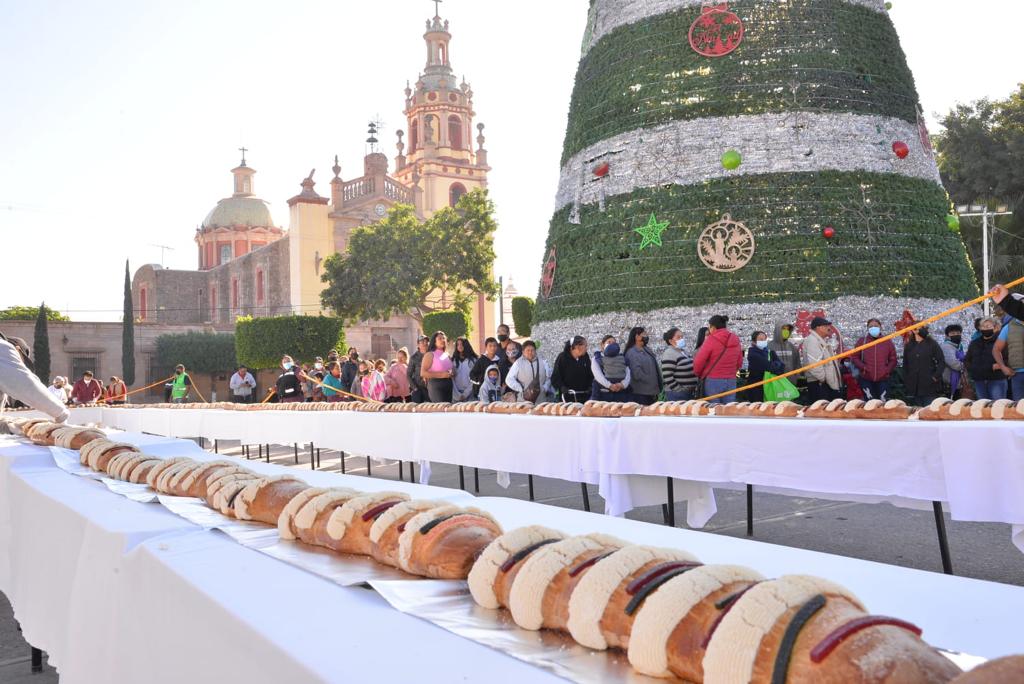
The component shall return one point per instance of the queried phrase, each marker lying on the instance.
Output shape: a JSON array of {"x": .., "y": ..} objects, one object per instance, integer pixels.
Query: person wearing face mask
[
  {"x": 369, "y": 383},
  {"x": 492, "y": 356},
  {"x": 611, "y": 374},
  {"x": 332, "y": 382},
  {"x": 719, "y": 359},
  {"x": 784, "y": 350},
  {"x": 644, "y": 368},
  {"x": 313, "y": 391},
  {"x": 923, "y": 363},
  {"x": 288, "y": 387},
  {"x": 760, "y": 360},
  {"x": 180, "y": 385},
  {"x": 953, "y": 354},
  {"x": 677, "y": 367},
  {"x": 825, "y": 381},
  {"x": 572, "y": 376},
  {"x": 875, "y": 364},
  {"x": 504, "y": 337},
  {"x": 985, "y": 372}
]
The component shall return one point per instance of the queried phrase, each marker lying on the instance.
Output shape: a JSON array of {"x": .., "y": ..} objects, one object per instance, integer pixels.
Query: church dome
[{"x": 239, "y": 211}]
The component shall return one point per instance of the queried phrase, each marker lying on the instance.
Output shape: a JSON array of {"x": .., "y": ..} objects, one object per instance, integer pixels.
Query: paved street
[{"x": 880, "y": 533}]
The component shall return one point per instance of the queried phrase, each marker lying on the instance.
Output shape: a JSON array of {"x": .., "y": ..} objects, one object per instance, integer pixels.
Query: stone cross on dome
[
  {"x": 243, "y": 150},
  {"x": 437, "y": 7}
]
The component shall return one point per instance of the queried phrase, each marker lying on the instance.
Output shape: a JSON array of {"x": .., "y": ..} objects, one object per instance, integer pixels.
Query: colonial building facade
[{"x": 250, "y": 267}]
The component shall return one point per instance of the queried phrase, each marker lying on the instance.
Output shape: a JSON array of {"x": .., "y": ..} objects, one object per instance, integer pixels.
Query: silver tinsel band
[
  {"x": 689, "y": 152},
  {"x": 607, "y": 15},
  {"x": 848, "y": 314}
]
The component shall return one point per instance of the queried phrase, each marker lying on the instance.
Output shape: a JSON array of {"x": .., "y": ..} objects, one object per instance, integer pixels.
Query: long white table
[
  {"x": 118, "y": 591},
  {"x": 975, "y": 468}
]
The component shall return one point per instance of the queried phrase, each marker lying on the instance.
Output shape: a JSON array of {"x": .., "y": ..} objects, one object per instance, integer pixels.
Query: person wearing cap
[
  {"x": 18, "y": 382},
  {"x": 87, "y": 390},
  {"x": 824, "y": 381},
  {"x": 180, "y": 385},
  {"x": 923, "y": 363}
]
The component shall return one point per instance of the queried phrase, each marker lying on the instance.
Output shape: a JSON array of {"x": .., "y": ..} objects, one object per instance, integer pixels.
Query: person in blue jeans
[
  {"x": 1009, "y": 352},
  {"x": 983, "y": 369}
]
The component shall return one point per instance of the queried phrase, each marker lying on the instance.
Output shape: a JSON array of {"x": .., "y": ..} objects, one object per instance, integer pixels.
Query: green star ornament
[{"x": 651, "y": 233}]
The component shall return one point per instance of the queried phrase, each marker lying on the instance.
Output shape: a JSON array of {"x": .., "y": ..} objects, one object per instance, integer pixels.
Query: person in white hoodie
[
  {"x": 490, "y": 388},
  {"x": 529, "y": 377},
  {"x": 17, "y": 381}
]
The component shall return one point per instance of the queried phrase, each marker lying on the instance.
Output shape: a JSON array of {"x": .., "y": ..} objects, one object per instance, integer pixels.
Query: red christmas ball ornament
[
  {"x": 717, "y": 31},
  {"x": 602, "y": 170},
  {"x": 901, "y": 149},
  {"x": 828, "y": 232}
]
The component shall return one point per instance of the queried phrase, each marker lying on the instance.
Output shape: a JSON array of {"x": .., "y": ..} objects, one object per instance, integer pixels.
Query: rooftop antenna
[
  {"x": 373, "y": 128},
  {"x": 163, "y": 252}
]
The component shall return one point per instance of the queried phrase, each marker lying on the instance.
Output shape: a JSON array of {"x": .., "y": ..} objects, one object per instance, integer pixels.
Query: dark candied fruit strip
[
  {"x": 807, "y": 611},
  {"x": 590, "y": 562},
  {"x": 653, "y": 584},
  {"x": 376, "y": 511},
  {"x": 654, "y": 573},
  {"x": 724, "y": 605},
  {"x": 519, "y": 555},
  {"x": 844, "y": 632}
]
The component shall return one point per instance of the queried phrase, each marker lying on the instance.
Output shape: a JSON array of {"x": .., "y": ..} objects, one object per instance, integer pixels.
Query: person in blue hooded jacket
[{"x": 760, "y": 360}]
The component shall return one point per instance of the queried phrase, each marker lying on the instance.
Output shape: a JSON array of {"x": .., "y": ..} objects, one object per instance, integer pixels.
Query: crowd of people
[{"x": 988, "y": 365}]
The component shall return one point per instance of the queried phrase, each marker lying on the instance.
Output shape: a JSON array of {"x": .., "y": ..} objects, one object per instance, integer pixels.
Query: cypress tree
[
  {"x": 41, "y": 346},
  {"x": 128, "y": 332}
]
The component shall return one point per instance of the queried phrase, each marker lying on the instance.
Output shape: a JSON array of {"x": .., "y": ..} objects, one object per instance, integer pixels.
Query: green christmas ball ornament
[
  {"x": 731, "y": 160},
  {"x": 888, "y": 6},
  {"x": 953, "y": 221}
]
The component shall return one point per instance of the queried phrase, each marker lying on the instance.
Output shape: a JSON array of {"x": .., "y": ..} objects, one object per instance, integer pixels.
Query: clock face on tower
[{"x": 380, "y": 210}]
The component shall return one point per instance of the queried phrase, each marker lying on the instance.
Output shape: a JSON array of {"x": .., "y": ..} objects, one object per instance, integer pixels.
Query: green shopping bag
[{"x": 780, "y": 390}]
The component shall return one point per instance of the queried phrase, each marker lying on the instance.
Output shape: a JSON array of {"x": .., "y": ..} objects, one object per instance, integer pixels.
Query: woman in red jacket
[{"x": 718, "y": 360}]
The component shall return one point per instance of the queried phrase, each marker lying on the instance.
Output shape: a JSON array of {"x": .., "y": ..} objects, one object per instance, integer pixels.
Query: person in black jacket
[
  {"x": 982, "y": 368},
  {"x": 288, "y": 387},
  {"x": 923, "y": 363},
  {"x": 490, "y": 356},
  {"x": 350, "y": 369},
  {"x": 416, "y": 384},
  {"x": 572, "y": 376},
  {"x": 760, "y": 360},
  {"x": 1010, "y": 304}
]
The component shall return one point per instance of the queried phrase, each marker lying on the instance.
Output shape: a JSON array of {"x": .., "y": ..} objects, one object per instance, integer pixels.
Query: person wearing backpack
[
  {"x": 719, "y": 360},
  {"x": 876, "y": 364},
  {"x": 611, "y": 374}
]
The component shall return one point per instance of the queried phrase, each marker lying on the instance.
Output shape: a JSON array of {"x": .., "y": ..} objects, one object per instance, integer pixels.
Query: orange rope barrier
[
  {"x": 880, "y": 340},
  {"x": 136, "y": 391}
]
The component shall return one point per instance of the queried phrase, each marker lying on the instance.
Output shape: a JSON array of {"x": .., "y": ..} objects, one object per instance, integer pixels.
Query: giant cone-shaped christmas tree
[{"x": 759, "y": 158}]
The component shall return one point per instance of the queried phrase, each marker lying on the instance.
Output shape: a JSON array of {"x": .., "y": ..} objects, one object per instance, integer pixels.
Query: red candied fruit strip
[{"x": 844, "y": 632}]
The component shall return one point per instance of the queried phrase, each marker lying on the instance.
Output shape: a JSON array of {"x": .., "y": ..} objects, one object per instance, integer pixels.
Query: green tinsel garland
[
  {"x": 810, "y": 55},
  {"x": 601, "y": 267}
]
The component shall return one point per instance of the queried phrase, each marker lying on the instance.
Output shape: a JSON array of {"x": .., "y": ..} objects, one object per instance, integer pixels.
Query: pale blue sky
[{"x": 119, "y": 120}]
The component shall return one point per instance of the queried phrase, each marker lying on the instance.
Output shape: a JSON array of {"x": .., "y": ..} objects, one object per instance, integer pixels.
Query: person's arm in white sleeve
[
  {"x": 236, "y": 382},
  {"x": 547, "y": 378},
  {"x": 628, "y": 379},
  {"x": 512, "y": 381},
  {"x": 17, "y": 381}
]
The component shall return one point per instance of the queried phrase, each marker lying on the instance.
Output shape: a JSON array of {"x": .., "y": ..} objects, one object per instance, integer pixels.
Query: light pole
[{"x": 982, "y": 210}]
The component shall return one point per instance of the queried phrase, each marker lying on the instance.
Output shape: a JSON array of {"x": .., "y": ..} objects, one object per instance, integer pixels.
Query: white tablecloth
[
  {"x": 118, "y": 591},
  {"x": 976, "y": 468}
]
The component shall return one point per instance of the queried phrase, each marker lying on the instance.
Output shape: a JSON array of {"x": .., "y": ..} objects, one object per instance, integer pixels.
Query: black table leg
[
  {"x": 462, "y": 478},
  {"x": 296, "y": 445},
  {"x": 312, "y": 456},
  {"x": 216, "y": 446},
  {"x": 401, "y": 470},
  {"x": 318, "y": 458},
  {"x": 529, "y": 479},
  {"x": 267, "y": 452},
  {"x": 940, "y": 527},
  {"x": 750, "y": 510},
  {"x": 586, "y": 496},
  {"x": 37, "y": 660},
  {"x": 369, "y": 473},
  {"x": 341, "y": 458},
  {"x": 670, "y": 507},
  {"x": 476, "y": 480},
  {"x": 412, "y": 471}
]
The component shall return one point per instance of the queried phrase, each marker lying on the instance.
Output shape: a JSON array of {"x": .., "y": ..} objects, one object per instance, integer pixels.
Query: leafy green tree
[
  {"x": 454, "y": 324},
  {"x": 522, "y": 315},
  {"x": 30, "y": 313},
  {"x": 41, "y": 346},
  {"x": 981, "y": 158},
  {"x": 128, "y": 332},
  {"x": 199, "y": 352},
  {"x": 404, "y": 265}
]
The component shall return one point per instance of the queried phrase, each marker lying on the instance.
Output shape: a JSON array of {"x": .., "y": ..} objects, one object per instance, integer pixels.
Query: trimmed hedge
[
  {"x": 261, "y": 342},
  {"x": 601, "y": 267},
  {"x": 844, "y": 58},
  {"x": 452, "y": 323},
  {"x": 522, "y": 315},
  {"x": 200, "y": 352}
]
